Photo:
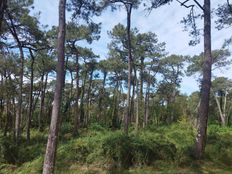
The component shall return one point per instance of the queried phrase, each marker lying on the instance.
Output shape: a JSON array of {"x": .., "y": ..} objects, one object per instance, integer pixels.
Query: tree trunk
[
  {"x": 115, "y": 119},
  {"x": 82, "y": 112},
  {"x": 3, "y": 6},
  {"x": 222, "y": 118},
  {"x": 137, "y": 107},
  {"x": 141, "y": 103},
  {"x": 50, "y": 156},
  {"x": 87, "y": 118},
  {"x": 206, "y": 84},
  {"x": 77, "y": 115},
  {"x": 224, "y": 109},
  {"x": 127, "y": 116},
  {"x": 101, "y": 96},
  {"x": 146, "y": 105},
  {"x": 19, "y": 111},
  {"x": 132, "y": 112},
  {"x": 41, "y": 112},
  {"x": 31, "y": 97}
]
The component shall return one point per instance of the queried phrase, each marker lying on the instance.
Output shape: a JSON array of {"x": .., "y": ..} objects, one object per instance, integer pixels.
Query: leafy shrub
[
  {"x": 219, "y": 144},
  {"x": 118, "y": 147},
  {"x": 8, "y": 150},
  {"x": 97, "y": 127},
  {"x": 127, "y": 150}
]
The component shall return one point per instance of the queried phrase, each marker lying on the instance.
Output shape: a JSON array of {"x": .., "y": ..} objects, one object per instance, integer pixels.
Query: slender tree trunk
[
  {"x": 101, "y": 96},
  {"x": 127, "y": 116},
  {"x": 18, "y": 118},
  {"x": 137, "y": 107},
  {"x": 115, "y": 119},
  {"x": 82, "y": 112},
  {"x": 77, "y": 115},
  {"x": 146, "y": 105},
  {"x": 7, "y": 112},
  {"x": 19, "y": 111},
  {"x": 222, "y": 118},
  {"x": 42, "y": 99},
  {"x": 87, "y": 118},
  {"x": 31, "y": 96},
  {"x": 206, "y": 84},
  {"x": 3, "y": 6},
  {"x": 141, "y": 103},
  {"x": 224, "y": 108},
  {"x": 50, "y": 156},
  {"x": 41, "y": 112},
  {"x": 132, "y": 112}
]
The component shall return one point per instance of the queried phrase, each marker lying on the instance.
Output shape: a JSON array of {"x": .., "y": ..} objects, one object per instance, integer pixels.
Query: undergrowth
[{"x": 163, "y": 149}]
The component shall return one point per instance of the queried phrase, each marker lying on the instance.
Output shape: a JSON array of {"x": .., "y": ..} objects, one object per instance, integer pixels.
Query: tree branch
[
  {"x": 188, "y": 6},
  {"x": 199, "y": 5},
  {"x": 183, "y": 4},
  {"x": 230, "y": 6}
]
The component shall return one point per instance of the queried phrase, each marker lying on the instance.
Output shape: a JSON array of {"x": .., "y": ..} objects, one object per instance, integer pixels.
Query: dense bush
[
  {"x": 127, "y": 150},
  {"x": 162, "y": 149},
  {"x": 219, "y": 145},
  {"x": 8, "y": 151}
]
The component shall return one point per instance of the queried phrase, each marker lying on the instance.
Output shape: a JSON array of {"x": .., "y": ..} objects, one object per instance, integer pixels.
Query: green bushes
[
  {"x": 128, "y": 150},
  {"x": 114, "y": 151},
  {"x": 219, "y": 145},
  {"x": 118, "y": 148},
  {"x": 8, "y": 151}
]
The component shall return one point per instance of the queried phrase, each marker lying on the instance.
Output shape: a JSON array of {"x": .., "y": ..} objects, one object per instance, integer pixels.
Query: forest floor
[{"x": 155, "y": 150}]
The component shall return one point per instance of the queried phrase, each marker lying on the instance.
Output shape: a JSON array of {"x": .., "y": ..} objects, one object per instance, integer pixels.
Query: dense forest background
[{"x": 123, "y": 113}]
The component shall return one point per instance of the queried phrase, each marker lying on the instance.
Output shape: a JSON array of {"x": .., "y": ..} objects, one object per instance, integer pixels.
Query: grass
[{"x": 160, "y": 150}]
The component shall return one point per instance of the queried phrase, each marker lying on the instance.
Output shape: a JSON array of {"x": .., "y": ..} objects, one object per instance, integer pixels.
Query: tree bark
[
  {"x": 206, "y": 84},
  {"x": 31, "y": 97},
  {"x": 18, "y": 117},
  {"x": 82, "y": 111},
  {"x": 3, "y": 6},
  {"x": 137, "y": 107},
  {"x": 127, "y": 116},
  {"x": 50, "y": 156},
  {"x": 221, "y": 114},
  {"x": 87, "y": 118},
  {"x": 101, "y": 96},
  {"x": 77, "y": 115}
]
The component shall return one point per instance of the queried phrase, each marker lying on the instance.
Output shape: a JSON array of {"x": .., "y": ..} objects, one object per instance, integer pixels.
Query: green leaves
[{"x": 220, "y": 60}]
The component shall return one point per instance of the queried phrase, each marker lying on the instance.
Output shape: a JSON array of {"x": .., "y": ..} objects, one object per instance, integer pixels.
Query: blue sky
[{"x": 164, "y": 21}]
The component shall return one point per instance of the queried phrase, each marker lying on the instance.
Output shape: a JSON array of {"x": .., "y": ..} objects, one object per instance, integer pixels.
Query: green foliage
[
  {"x": 219, "y": 144},
  {"x": 118, "y": 148},
  {"x": 164, "y": 149},
  {"x": 9, "y": 151},
  {"x": 130, "y": 150},
  {"x": 220, "y": 59}
]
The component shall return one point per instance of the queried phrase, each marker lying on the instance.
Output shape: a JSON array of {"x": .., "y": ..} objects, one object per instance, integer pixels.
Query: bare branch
[
  {"x": 183, "y": 4},
  {"x": 199, "y": 5},
  {"x": 188, "y": 6}
]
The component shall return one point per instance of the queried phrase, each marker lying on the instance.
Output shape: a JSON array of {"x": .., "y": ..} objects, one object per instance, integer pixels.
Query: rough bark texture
[
  {"x": 87, "y": 118},
  {"x": 20, "y": 99},
  {"x": 82, "y": 111},
  {"x": 77, "y": 115},
  {"x": 127, "y": 116},
  {"x": 31, "y": 97},
  {"x": 206, "y": 84},
  {"x": 49, "y": 161},
  {"x": 3, "y": 5}
]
